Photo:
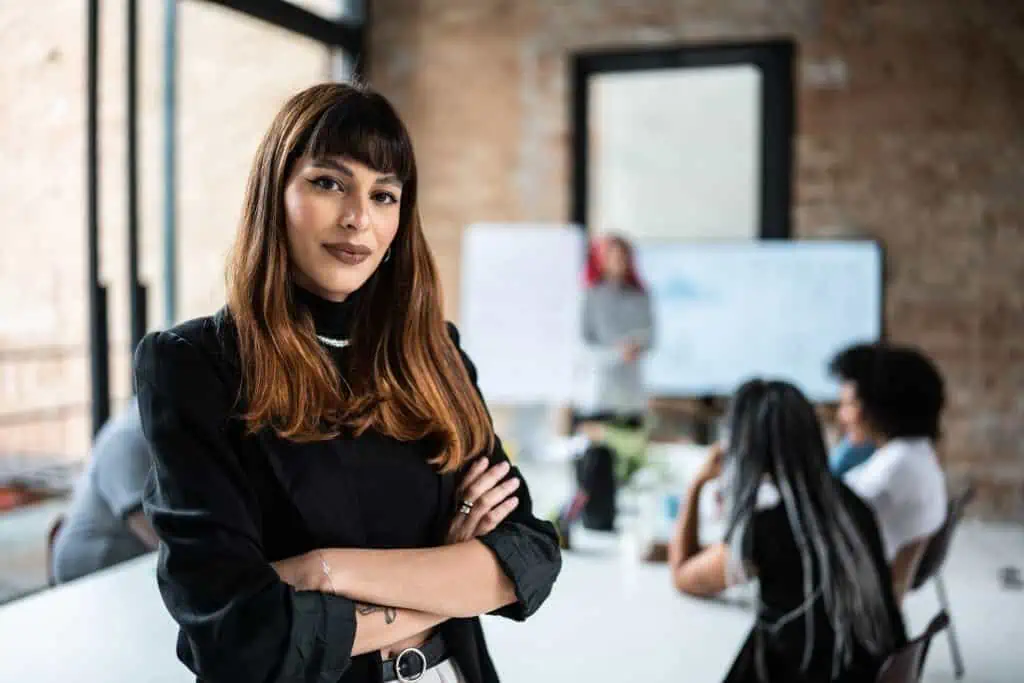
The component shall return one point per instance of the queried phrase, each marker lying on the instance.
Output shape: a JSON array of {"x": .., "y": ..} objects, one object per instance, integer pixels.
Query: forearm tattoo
[{"x": 390, "y": 613}]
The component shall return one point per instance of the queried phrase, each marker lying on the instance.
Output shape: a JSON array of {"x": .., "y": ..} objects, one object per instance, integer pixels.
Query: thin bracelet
[{"x": 326, "y": 569}]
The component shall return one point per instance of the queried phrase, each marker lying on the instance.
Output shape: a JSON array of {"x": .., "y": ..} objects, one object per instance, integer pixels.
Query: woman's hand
[
  {"x": 303, "y": 572},
  {"x": 489, "y": 501},
  {"x": 631, "y": 352},
  {"x": 712, "y": 466},
  {"x": 592, "y": 430}
]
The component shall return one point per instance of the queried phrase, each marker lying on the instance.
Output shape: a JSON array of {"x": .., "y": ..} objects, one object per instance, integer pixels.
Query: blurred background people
[
  {"x": 825, "y": 606},
  {"x": 617, "y": 330},
  {"x": 104, "y": 524},
  {"x": 898, "y": 395},
  {"x": 854, "y": 445}
]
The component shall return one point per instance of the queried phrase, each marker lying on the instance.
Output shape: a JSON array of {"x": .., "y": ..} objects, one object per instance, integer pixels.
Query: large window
[
  {"x": 234, "y": 72},
  {"x": 691, "y": 142},
  {"x": 675, "y": 153}
]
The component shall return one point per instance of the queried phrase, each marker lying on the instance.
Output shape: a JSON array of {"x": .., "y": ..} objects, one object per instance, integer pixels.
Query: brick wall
[{"x": 910, "y": 120}]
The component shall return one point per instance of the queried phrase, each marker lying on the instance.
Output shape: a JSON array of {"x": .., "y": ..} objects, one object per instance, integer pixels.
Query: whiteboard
[
  {"x": 520, "y": 309},
  {"x": 727, "y": 312}
]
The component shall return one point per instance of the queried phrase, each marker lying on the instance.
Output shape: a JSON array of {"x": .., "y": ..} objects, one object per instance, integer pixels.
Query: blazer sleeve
[
  {"x": 526, "y": 547},
  {"x": 238, "y": 621}
]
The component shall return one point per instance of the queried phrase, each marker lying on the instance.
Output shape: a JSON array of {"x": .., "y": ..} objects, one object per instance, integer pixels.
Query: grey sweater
[
  {"x": 96, "y": 533},
  {"x": 612, "y": 316}
]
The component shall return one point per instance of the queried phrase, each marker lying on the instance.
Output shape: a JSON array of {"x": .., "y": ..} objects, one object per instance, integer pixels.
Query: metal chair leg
[{"x": 954, "y": 644}]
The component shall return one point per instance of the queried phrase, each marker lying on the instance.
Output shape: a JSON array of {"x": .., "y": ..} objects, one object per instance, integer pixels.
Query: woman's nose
[{"x": 355, "y": 214}]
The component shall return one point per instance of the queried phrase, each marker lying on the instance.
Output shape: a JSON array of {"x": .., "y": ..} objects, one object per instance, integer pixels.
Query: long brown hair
[{"x": 403, "y": 375}]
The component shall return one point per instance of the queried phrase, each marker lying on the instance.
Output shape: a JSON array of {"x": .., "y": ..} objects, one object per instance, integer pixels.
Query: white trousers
[{"x": 445, "y": 672}]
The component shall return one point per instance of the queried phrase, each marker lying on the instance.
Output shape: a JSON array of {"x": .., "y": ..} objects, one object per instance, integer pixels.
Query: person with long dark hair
[
  {"x": 825, "y": 608},
  {"x": 617, "y": 330},
  {"x": 330, "y": 497}
]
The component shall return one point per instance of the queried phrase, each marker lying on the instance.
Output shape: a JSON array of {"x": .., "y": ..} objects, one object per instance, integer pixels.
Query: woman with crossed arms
[{"x": 331, "y": 500}]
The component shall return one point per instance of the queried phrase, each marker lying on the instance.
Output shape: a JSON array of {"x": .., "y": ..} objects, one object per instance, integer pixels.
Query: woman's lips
[{"x": 349, "y": 254}]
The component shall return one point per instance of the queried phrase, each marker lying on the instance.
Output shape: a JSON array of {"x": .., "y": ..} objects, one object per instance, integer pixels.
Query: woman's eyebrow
[{"x": 388, "y": 179}]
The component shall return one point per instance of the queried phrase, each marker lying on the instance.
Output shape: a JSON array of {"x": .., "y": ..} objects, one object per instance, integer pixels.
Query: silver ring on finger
[{"x": 465, "y": 508}]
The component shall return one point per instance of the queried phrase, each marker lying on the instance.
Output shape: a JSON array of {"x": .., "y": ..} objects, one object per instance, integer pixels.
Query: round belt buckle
[{"x": 400, "y": 670}]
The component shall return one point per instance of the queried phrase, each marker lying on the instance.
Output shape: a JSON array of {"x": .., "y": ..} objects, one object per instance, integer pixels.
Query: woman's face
[
  {"x": 850, "y": 416},
  {"x": 614, "y": 262},
  {"x": 341, "y": 219}
]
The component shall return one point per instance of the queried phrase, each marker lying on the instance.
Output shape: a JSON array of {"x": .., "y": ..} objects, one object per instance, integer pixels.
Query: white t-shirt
[{"x": 903, "y": 483}]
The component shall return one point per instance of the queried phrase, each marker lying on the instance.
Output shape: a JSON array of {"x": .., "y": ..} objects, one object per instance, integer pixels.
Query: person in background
[
  {"x": 331, "y": 499},
  {"x": 617, "y": 329},
  {"x": 854, "y": 447},
  {"x": 899, "y": 395},
  {"x": 104, "y": 524},
  {"x": 826, "y": 609}
]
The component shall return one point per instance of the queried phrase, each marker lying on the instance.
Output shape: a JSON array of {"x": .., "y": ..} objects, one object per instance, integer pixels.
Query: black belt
[{"x": 413, "y": 662}]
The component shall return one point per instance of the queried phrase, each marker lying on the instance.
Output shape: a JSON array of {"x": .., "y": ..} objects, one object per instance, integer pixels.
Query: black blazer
[{"x": 226, "y": 504}]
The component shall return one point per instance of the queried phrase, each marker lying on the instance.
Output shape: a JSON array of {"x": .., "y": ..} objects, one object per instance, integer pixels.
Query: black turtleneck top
[
  {"x": 225, "y": 504},
  {"x": 331, "y": 318}
]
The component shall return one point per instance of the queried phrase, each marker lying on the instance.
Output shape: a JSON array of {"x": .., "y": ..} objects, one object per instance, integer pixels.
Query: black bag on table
[{"x": 595, "y": 474}]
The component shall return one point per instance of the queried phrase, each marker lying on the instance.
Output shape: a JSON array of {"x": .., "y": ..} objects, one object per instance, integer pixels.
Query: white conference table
[
  {"x": 608, "y": 619},
  {"x": 109, "y": 627}
]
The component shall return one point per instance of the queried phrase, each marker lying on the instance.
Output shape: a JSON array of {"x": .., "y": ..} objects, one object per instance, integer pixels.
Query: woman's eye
[
  {"x": 385, "y": 198},
  {"x": 326, "y": 183}
]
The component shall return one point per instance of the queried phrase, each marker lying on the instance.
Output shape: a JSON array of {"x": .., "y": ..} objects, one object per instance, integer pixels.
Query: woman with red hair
[{"x": 617, "y": 329}]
